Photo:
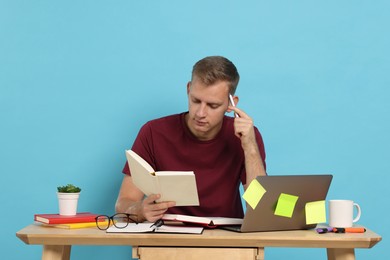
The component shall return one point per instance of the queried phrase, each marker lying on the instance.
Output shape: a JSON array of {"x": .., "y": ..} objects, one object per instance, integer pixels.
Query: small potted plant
[{"x": 68, "y": 196}]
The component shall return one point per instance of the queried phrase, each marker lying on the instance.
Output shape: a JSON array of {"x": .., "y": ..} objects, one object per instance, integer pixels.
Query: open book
[
  {"x": 178, "y": 186},
  {"x": 210, "y": 222},
  {"x": 148, "y": 227}
]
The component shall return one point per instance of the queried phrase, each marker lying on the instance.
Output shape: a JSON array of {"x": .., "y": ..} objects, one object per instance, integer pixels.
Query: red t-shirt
[{"x": 219, "y": 166}]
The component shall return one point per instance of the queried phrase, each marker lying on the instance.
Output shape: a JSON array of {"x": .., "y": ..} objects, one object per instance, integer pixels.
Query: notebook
[{"x": 308, "y": 188}]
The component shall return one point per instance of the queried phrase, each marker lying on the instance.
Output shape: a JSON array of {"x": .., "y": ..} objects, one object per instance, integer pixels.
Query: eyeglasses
[{"x": 119, "y": 220}]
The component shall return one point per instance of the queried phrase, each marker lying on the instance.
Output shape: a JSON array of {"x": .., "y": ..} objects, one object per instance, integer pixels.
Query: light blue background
[{"x": 79, "y": 78}]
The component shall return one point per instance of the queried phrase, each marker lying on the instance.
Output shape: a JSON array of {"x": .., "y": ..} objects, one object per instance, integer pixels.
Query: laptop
[{"x": 308, "y": 188}]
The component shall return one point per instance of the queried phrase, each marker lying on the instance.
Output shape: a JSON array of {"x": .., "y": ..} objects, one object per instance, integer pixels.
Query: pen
[
  {"x": 324, "y": 230},
  {"x": 349, "y": 230},
  {"x": 157, "y": 224},
  {"x": 233, "y": 104}
]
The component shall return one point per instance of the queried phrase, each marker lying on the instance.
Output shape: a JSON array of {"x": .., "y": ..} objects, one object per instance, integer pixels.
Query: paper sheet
[
  {"x": 285, "y": 205},
  {"x": 315, "y": 212},
  {"x": 254, "y": 193}
]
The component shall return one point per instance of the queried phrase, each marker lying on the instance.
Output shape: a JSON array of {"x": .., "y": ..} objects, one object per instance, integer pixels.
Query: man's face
[{"x": 207, "y": 106}]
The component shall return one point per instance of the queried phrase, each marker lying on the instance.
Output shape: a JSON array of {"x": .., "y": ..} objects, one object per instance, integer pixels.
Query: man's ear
[
  {"x": 235, "y": 99},
  {"x": 188, "y": 87}
]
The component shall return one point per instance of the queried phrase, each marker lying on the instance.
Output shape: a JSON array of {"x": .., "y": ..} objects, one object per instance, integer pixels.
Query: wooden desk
[{"x": 213, "y": 244}]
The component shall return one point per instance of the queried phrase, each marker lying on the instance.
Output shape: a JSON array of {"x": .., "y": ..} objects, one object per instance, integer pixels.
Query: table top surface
[{"x": 37, "y": 234}]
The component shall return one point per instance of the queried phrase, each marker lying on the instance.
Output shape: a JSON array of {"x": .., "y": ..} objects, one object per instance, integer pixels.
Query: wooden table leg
[
  {"x": 341, "y": 253},
  {"x": 260, "y": 253},
  {"x": 56, "y": 252}
]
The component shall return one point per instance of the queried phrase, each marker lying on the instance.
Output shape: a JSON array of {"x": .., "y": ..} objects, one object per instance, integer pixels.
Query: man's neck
[{"x": 202, "y": 136}]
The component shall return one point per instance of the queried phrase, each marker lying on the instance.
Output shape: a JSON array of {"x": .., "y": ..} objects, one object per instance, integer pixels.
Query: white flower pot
[{"x": 67, "y": 203}]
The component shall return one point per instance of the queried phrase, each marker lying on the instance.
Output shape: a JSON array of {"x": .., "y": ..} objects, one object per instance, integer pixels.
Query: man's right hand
[{"x": 152, "y": 210}]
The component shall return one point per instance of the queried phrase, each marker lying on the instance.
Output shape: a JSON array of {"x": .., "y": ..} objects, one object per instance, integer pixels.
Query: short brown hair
[{"x": 212, "y": 69}]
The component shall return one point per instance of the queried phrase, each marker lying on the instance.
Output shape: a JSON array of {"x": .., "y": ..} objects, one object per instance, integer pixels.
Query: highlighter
[
  {"x": 349, "y": 230},
  {"x": 324, "y": 230}
]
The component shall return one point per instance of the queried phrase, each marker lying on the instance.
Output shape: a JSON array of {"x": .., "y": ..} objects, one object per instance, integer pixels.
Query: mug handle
[{"x": 359, "y": 213}]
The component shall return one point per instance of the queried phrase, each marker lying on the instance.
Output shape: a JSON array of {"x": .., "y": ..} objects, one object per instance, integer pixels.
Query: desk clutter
[
  {"x": 340, "y": 230},
  {"x": 274, "y": 203},
  {"x": 148, "y": 227},
  {"x": 80, "y": 220},
  {"x": 118, "y": 223},
  {"x": 214, "y": 242}
]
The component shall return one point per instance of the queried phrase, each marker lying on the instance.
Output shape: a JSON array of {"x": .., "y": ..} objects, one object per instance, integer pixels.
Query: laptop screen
[{"x": 302, "y": 188}]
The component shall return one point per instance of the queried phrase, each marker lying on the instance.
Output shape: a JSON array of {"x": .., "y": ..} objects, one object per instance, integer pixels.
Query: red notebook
[
  {"x": 60, "y": 219},
  {"x": 210, "y": 222}
]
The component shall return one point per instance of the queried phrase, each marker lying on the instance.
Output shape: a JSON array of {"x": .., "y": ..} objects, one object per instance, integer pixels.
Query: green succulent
[{"x": 70, "y": 188}]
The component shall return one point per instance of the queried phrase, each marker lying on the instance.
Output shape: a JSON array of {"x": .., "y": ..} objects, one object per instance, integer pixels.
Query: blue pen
[{"x": 324, "y": 230}]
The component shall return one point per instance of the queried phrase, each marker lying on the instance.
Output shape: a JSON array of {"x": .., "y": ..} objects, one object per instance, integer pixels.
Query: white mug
[{"x": 341, "y": 213}]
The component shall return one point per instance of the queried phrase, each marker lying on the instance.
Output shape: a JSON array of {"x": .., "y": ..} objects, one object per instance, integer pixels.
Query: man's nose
[{"x": 201, "y": 112}]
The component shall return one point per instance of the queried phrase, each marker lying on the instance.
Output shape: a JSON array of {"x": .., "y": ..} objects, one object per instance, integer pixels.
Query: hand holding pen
[
  {"x": 244, "y": 129},
  {"x": 233, "y": 104},
  {"x": 243, "y": 124}
]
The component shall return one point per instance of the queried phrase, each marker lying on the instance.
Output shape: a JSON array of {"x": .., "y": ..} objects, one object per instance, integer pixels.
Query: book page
[
  {"x": 142, "y": 174},
  {"x": 187, "y": 218},
  {"x": 148, "y": 227},
  {"x": 132, "y": 228},
  {"x": 212, "y": 221},
  {"x": 179, "y": 229},
  {"x": 139, "y": 160},
  {"x": 165, "y": 173},
  {"x": 179, "y": 187}
]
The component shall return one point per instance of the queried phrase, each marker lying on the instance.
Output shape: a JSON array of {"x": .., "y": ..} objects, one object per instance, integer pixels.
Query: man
[{"x": 222, "y": 151}]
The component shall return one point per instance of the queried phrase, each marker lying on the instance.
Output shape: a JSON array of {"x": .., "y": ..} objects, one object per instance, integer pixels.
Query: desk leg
[
  {"x": 341, "y": 253},
  {"x": 260, "y": 253},
  {"x": 56, "y": 252}
]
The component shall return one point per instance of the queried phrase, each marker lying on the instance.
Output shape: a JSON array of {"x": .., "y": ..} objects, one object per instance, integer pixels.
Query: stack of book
[{"x": 80, "y": 220}]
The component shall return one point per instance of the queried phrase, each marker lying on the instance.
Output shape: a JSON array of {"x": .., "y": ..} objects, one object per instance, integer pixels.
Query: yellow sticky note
[
  {"x": 315, "y": 212},
  {"x": 286, "y": 204},
  {"x": 254, "y": 193}
]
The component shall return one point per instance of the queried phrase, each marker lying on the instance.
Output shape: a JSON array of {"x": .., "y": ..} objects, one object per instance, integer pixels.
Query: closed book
[
  {"x": 210, "y": 222},
  {"x": 61, "y": 219},
  {"x": 73, "y": 225},
  {"x": 177, "y": 186}
]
